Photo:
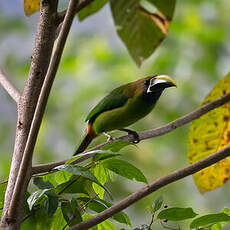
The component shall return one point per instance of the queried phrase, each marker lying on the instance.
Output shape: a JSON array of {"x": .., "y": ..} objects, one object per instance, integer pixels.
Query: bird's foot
[
  {"x": 133, "y": 133},
  {"x": 110, "y": 138}
]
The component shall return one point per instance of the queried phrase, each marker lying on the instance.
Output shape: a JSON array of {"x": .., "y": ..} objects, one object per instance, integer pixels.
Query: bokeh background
[{"x": 196, "y": 53}]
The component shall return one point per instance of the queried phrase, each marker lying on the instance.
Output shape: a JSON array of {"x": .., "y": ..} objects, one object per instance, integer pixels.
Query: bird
[{"x": 124, "y": 106}]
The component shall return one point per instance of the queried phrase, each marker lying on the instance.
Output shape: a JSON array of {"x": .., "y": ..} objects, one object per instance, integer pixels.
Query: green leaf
[
  {"x": 2, "y": 194},
  {"x": 79, "y": 186},
  {"x": 226, "y": 211},
  {"x": 36, "y": 197},
  {"x": 92, "y": 8},
  {"x": 102, "y": 174},
  {"x": 71, "y": 212},
  {"x": 209, "y": 219},
  {"x": 218, "y": 226},
  {"x": 116, "y": 145},
  {"x": 125, "y": 169},
  {"x": 41, "y": 221},
  {"x": 157, "y": 203},
  {"x": 221, "y": 225},
  {"x": 57, "y": 222},
  {"x": 50, "y": 177},
  {"x": 103, "y": 156},
  {"x": 51, "y": 203},
  {"x": 83, "y": 155},
  {"x": 139, "y": 28},
  {"x": 38, "y": 181},
  {"x": 176, "y": 214},
  {"x": 99, "y": 205},
  {"x": 105, "y": 225},
  {"x": 76, "y": 212},
  {"x": 62, "y": 176},
  {"x": 66, "y": 210},
  {"x": 81, "y": 171}
]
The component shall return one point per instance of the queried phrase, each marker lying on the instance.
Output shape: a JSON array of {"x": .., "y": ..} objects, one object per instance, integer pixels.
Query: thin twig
[
  {"x": 154, "y": 186},
  {"x": 151, "y": 222},
  {"x": 86, "y": 203},
  {"x": 31, "y": 213},
  {"x": 68, "y": 185},
  {"x": 9, "y": 87},
  {"x": 82, "y": 208},
  {"x": 81, "y": 4},
  {"x": 145, "y": 134},
  {"x": 4, "y": 182}
]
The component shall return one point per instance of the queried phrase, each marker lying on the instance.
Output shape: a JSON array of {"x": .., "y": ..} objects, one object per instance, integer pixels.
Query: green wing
[{"x": 117, "y": 98}]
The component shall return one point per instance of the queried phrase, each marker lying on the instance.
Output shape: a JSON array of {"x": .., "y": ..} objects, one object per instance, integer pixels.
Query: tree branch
[
  {"x": 42, "y": 51},
  {"x": 81, "y": 4},
  {"x": 154, "y": 186},
  {"x": 145, "y": 134},
  {"x": 40, "y": 108},
  {"x": 9, "y": 87}
]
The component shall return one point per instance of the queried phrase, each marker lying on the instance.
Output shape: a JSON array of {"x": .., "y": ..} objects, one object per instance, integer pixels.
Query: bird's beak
[{"x": 161, "y": 82}]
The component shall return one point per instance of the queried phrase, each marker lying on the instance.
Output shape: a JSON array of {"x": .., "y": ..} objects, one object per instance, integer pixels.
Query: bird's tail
[{"x": 86, "y": 141}]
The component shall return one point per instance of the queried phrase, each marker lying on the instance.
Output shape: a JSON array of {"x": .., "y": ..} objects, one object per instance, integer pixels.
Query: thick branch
[
  {"x": 148, "y": 133},
  {"x": 43, "y": 98},
  {"x": 42, "y": 51},
  {"x": 9, "y": 87},
  {"x": 157, "y": 184}
]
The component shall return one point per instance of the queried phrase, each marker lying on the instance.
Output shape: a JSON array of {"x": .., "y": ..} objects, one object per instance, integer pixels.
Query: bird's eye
[{"x": 146, "y": 82}]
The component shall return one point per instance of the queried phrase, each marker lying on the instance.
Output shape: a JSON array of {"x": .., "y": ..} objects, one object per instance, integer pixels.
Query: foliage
[
  {"x": 74, "y": 190},
  {"x": 207, "y": 135},
  {"x": 141, "y": 24},
  {"x": 173, "y": 215},
  {"x": 140, "y": 28},
  {"x": 94, "y": 7},
  {"x": 63, "y": 195}
]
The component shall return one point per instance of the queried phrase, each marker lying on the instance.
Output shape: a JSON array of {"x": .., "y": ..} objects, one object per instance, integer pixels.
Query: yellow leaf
[
  {"x": 31, "y": 6},
  {"x": 207, "y": 135}
]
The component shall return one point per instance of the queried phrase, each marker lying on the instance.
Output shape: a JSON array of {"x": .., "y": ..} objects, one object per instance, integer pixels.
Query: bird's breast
[{"x": 132, "y": 111}]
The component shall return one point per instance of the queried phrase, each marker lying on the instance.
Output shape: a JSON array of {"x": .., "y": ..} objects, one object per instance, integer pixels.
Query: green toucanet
[{"x": 124, "y": 106}]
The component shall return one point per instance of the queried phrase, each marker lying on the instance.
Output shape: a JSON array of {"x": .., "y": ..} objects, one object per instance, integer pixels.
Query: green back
[{"x": 117, "y": 98}]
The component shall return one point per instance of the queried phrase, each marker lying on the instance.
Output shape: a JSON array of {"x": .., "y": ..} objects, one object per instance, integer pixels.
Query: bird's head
[{"x": 159, "y": 83}]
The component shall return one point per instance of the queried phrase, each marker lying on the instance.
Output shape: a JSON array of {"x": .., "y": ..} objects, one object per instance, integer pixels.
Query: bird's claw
[
  {"x": 134, "y": 134},
  {"x": 136, "y": 137},
  {"x": 110, "y": 138}
]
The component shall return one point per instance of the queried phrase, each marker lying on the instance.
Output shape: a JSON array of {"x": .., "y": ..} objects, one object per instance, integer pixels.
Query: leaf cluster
[
  {"x": 166, "y": 216},
  {"x": 72, "y": 193}
]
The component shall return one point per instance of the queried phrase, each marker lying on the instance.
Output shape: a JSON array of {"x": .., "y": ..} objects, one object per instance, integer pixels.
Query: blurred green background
[{"x": 196, "y": 53}]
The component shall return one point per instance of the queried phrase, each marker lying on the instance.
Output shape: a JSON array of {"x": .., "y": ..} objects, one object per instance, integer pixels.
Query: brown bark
[{"x": 40, "y": 60}]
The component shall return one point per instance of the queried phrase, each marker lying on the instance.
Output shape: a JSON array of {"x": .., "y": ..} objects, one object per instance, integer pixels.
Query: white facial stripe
[
  {"x": 149, "y": 90},
  {"x": 154, "y": 82},
  {"x": 159, "y": 81}
]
